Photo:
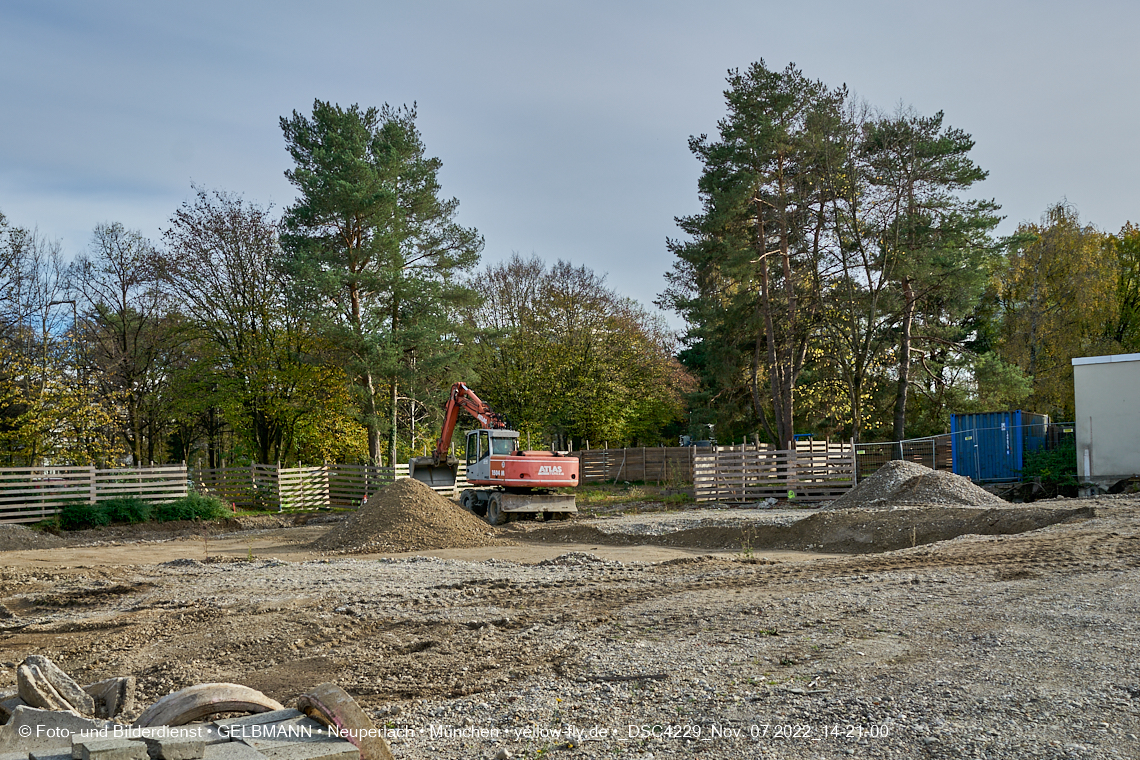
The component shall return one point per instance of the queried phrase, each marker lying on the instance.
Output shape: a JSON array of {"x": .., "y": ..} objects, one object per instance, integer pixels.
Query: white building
[{"x": 1108, "y": 417}]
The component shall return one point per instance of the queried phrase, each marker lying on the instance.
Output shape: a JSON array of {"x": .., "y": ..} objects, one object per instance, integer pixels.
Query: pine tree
[{"x": 378, "y": 250}]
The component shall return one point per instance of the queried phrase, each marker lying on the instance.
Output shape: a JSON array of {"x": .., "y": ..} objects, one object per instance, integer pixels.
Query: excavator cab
[{"x": 481, "y": 444}]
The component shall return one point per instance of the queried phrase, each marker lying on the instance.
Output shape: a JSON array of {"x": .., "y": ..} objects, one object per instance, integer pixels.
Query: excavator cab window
[
  {"x": 484, "y": 444},
  {"x": 472, "y": 448},
  {"x": 502, "y": 446}
]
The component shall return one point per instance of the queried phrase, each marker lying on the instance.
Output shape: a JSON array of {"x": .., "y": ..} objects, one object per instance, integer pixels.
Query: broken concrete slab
[
  {"x": 8, "y": 705},
  {"x": 259, "y": 736},
  {"x": 64, "y": 685},
  {"x": 231, "y": 751},
  {"x": 207, "y": 733},
  {"x": 175, "y": 748},
  {"x": 334, "y": 750},
  {"x": 49, "y": 754},
  {"x": 112, "y": 696},
  {"x": 45, "y": 729},
  {"x": 108, "y": 749},
  {"x": 36, "y": 690}
]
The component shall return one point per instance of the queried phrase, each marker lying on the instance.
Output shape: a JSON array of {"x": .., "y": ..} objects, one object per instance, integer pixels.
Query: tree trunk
[
  {"x": 392, "y": 427},
  {"x": 371, "y": 422},
  {"x": 904, "y": 359}
]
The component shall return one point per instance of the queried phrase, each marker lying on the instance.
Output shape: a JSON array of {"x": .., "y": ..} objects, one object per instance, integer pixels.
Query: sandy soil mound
[
  {"x": 17, "y": 537},
  {"x": 841, "y": 532},
  {"x": 407, "y": 516},
  {"x": 906, "y": 484}
]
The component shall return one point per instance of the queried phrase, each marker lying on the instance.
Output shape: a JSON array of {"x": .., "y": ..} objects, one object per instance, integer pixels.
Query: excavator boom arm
[{"x": 464, "y": 398}]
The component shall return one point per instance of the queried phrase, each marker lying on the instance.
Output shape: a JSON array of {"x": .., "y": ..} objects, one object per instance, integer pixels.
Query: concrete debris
[
  {"x": 333, "y": 706},
  {"x": 8, "y": 705},
  {"x": 261, "y": 719},
  {"x": 107, "y": 749},
  {"x": 33, "y": 729},
  {"x": 327, "y": 724},
  {"x": 175, "y": 747},
  {"x": 35, "y": 689},
  {"x": 67, "y": 688},
  {"x": 112, "y": 696},
  {"x": 48, "y": 754},
  {"x": 203, "y": 700},
  {"x": 335, "y": 750},
  {"x": 42, "y": 684},
  {"x": 231, "y": 751}
]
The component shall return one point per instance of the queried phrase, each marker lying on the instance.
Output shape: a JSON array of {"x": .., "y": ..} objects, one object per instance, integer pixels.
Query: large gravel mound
[
  {"x": 407, "y": 516},
  {"x": 17, "y": 537},
  {"x": 905, "y": 484}
]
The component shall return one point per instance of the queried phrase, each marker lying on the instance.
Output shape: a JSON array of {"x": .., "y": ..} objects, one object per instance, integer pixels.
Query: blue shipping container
[{"x": 991, "y": 447}]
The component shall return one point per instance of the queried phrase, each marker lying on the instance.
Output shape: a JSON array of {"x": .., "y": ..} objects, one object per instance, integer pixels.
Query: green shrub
[
  {"x": 126, "y": 509},
  {"x": 1055, "y": 470},
  {"x": 78, "y": 515},
  {"x": 191, "y": 507}
]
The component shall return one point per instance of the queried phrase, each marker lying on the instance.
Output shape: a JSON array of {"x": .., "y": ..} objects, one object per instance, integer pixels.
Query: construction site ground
[{"x": 924, "y": 631}]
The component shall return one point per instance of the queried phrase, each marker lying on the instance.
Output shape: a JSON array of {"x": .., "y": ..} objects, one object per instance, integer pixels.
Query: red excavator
[{"x": 517, "y": 483}]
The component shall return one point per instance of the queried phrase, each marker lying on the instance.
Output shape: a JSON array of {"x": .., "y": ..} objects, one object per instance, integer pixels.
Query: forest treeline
[
  {"x": 840, "y": 279},
  {"x": 329, "y": 332}
]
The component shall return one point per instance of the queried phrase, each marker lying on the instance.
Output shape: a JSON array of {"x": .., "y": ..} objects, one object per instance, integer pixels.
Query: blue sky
[{"x": 562, "y": 127}]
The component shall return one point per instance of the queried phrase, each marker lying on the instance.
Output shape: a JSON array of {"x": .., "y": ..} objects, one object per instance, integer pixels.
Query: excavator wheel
[
  {"x": 467, "y": 501},
  {"x": 495, "y": 514}
]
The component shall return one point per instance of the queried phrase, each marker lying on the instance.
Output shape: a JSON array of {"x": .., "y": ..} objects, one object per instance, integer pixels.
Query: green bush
[
  {"x": 126, "y": 509},
  {"x": 78, "y": 515},
  {"x": 191, "y": 507},
  {"x": 1055, "y": 470}
]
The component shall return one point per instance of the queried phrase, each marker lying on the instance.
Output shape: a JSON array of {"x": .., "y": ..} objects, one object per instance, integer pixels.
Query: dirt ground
[{"x": 916, "y": 632}]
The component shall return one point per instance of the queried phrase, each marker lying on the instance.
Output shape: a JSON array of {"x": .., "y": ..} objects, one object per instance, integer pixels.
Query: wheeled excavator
[{"x": 511, "y": 482}]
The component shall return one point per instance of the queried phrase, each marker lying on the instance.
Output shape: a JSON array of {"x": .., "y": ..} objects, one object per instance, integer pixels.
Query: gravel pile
[
  {"x": 17, "y": 537},
  {"x": 407, "y": 516},
  {"x": 902, "y": 484},
  {"x": 577, "y": 559}
]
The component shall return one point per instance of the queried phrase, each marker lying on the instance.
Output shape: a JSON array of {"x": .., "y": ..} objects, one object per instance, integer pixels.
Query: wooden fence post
[{"x": 91, "y": 477}]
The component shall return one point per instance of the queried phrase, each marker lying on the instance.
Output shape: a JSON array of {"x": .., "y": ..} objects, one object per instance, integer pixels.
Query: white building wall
[{"x": 1108, "y": 416}]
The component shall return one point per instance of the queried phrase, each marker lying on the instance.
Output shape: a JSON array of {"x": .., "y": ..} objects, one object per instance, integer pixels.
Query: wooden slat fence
[
  {"x": 350, "y": 485},
  {"x": 813, "y": 472},
  {"x": 663, "y": 464},
  {"x": 300, "y": 488},
  {"x": 31, "y": 494}
]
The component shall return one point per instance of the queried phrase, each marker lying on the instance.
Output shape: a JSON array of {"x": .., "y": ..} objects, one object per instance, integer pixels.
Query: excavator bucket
[{"x": 442, "y": 475}]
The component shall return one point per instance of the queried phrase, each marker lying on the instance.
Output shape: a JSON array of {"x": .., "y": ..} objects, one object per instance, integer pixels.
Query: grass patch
[{"x": 607, "y": 494}]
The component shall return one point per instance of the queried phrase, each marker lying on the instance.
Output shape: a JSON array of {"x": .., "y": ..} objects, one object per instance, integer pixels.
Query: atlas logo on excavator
[{"x": 548, "y": 469}]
